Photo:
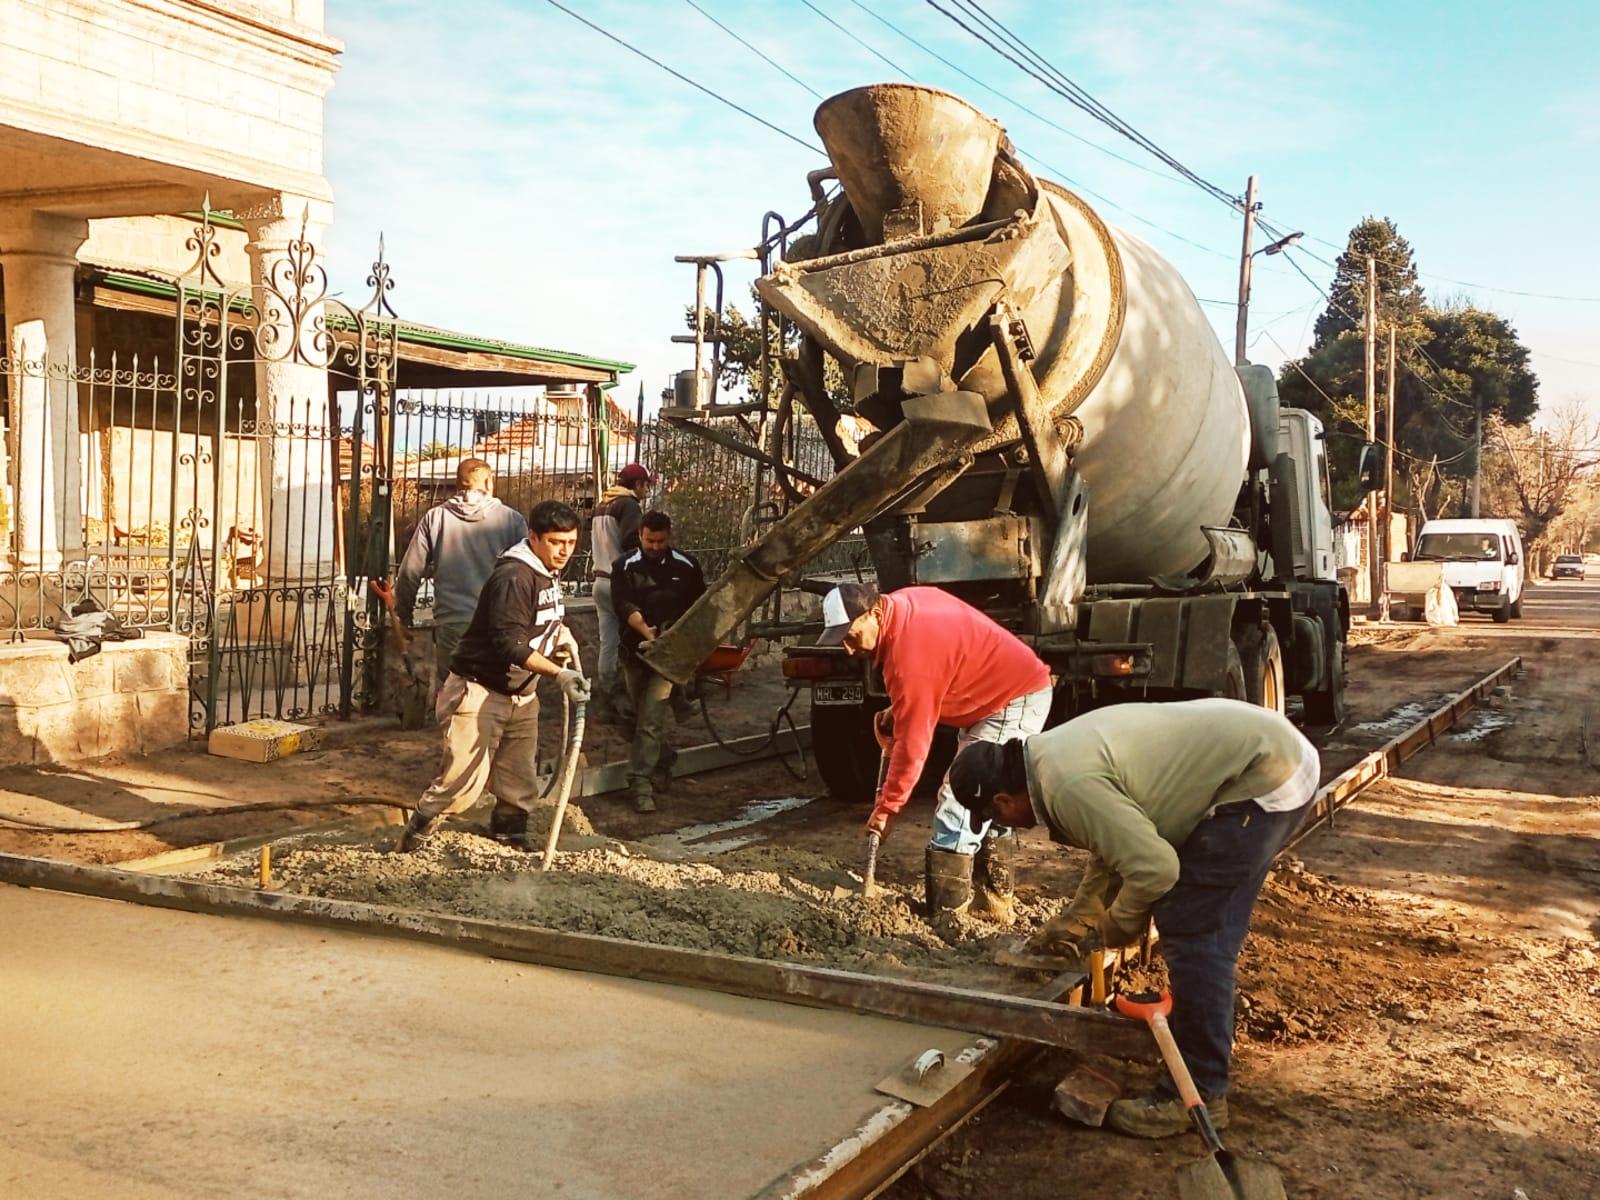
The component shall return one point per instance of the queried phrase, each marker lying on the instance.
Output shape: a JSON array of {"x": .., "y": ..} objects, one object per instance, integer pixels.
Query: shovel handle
[{"x": 1198, "y": 1113}]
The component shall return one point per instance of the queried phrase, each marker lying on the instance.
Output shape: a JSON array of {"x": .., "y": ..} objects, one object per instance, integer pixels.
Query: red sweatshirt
[{"x": 945, "y": 663}]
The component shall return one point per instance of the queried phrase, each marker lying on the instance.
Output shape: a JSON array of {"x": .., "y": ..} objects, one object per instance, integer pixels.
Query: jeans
[
  {"x": 1022, "y": 717},
  {"x": 1202, "y": 921},
  {"x": 446, "y": 638},
  {"x": 610, "y": 638},
  {"x": 650, "y": 694}
]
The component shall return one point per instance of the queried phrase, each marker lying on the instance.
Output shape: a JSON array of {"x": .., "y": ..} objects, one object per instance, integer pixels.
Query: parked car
[
  {"x": 1483, "y": 562},
  {"x": 1568, "y": 566}
]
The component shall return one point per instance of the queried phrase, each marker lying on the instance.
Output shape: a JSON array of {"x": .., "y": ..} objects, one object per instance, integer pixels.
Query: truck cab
[{"x": 1301, "y": 437}]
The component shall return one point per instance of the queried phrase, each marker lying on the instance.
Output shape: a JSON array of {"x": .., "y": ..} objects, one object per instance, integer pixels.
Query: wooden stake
[{"x": 265, "y": 875}]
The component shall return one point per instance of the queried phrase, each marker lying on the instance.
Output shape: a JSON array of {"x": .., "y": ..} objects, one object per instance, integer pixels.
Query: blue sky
[{"x": 534, "y": 180}]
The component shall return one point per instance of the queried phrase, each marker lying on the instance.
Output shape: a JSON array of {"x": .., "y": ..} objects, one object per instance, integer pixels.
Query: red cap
[{"x": 635, "y": 473}]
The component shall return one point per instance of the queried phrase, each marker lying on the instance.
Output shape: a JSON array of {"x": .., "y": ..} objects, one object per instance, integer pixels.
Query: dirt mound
[{"x": 766, "y": 901}]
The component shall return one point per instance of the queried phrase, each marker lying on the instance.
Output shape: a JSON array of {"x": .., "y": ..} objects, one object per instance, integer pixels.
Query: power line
[
  {"x": 1043, "y": 71},
  {"x": 1013, "y": 101},
  {"x": 679, "y": 75},
  {"x": 883, "y": 57},
  {"x": 754, "y": 50},
  {"x": 1487, "y": 287}
]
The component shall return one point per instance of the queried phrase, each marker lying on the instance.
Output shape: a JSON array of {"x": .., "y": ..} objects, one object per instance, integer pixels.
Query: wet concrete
[{"x": 153, "y": 1053}]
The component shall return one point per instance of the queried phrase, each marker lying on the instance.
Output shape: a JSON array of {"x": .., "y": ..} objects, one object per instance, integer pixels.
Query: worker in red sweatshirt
[{"x": 944, "y": 663}]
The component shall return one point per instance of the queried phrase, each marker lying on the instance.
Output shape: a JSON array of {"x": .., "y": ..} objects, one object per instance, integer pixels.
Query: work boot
[
  {"x": 643, "y": 801},
  {"x": 661, "y": 777},
  {"x": 416, "y": 835},
  {"x": 1160, "y": 1116},
  {"x": 947, "y": 882},
  {"x": 509, "y": 826},
  {"x": 994, "y": 877}
]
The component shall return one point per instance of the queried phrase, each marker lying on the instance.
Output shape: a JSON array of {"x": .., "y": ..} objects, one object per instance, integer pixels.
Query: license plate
[{"x": 837, "y": 693}]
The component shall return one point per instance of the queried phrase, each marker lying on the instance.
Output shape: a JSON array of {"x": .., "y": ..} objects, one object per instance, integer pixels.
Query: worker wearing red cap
[
  {"x": 944, "y": 663},
  {"x": 613, "y": 533}
]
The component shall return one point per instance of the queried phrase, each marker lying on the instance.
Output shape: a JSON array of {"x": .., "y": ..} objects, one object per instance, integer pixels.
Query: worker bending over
[
  {"x": 944, "y": 663},
  {"x": 487, "y": 708},
  {"x": 1184, "y": 807},
  {"x": 650, "y": 589}
]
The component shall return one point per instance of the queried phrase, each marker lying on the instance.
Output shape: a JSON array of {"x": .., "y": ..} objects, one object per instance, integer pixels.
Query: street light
[{"x": 1245, "y": 259}]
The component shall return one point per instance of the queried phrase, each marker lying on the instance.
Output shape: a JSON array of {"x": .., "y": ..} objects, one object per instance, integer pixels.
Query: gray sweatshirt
[{"x": 458, "y": 542}]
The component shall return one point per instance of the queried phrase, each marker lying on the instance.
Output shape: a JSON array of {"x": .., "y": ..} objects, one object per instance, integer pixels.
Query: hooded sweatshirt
[
  {"x": 458, "y": 542},
  {"x": 520, "y": 611},
  {"x": 615, "y": 529},
  {"x": 944, "y": 663}
]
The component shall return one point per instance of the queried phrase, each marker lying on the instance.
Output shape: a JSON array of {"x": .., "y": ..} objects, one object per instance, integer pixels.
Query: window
[{"x": 1460, "y": 547}]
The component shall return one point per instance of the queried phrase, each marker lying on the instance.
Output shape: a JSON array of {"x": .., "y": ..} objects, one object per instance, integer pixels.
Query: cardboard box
[{"x": 262, "y": 741}]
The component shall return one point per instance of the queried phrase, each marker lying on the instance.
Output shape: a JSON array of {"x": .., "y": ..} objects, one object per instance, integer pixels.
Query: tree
[
  {"x": 1534, "y": 475},
  {"x": 1400, "y": 298},
  {"x": 1454, "y": 362}
]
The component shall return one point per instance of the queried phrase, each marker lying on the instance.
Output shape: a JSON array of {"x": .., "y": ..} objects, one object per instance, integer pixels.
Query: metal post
[
  {"x": 1243, "y": 320},
  {"x": 1374, "y": 569},
  {"x": 1388, "y": 458}
]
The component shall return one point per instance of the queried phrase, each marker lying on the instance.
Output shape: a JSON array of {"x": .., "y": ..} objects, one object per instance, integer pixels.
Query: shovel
[{"x": 1220, "y": 1175}]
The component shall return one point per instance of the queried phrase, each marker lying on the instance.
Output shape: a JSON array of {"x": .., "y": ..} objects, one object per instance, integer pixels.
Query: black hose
[{"x": 780, "y": 719}]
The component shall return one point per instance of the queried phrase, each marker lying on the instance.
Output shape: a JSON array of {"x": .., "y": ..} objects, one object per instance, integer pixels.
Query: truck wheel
[
  {"x": 1326, "y": 707},
  {"x": 1502, "y": 615},
  {"x": 1233, "y": 686},
  {"x": 1516, "y": 608},
  {"x": 1261, "y": 660},
  {"x": 845, "y": 751}
]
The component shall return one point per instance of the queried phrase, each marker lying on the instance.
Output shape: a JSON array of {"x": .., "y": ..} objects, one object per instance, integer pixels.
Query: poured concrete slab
[{"x": 153, "y": 1053}]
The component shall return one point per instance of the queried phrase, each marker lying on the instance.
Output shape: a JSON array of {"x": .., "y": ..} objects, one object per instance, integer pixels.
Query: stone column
[
  {"x": 296, "y": 483},
  {"x": 38, "y": 254}
]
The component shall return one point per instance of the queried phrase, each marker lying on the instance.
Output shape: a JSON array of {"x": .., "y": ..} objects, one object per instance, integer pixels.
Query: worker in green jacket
[{"x": 1184, "y": 806}]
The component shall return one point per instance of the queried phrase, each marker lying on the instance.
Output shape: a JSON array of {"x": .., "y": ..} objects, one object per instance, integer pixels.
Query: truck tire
[
  {"x": 846, "y": 753},
  {"x": 1233, "y": 685},
  {"x": 1261, "y": 660},
  {"x": 1502, "y": 615},
  {"x": 1326, "y": 707},
  {"x": 1516, "y": 608}
]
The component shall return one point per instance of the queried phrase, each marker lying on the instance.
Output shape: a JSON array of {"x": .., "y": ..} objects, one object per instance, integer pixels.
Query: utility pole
[
  {"x": 1375, "y": 571},
  {"x": 1477, "y": 454},
  {"x": 1243, "y": 320},
  {"x": 1388, "y": 458}
]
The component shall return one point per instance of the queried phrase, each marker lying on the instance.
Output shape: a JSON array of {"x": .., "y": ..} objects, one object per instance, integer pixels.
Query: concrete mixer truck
[{"x": 1053, "y": 433}]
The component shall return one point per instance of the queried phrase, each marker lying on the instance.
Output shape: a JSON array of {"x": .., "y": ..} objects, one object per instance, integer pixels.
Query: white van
[{"x": 1483, "y": 562}]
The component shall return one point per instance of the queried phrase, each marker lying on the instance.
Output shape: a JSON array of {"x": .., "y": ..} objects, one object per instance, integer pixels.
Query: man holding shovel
[
  {"x": 1184, "y": 806},
  {"x": 944, "y": 663}
]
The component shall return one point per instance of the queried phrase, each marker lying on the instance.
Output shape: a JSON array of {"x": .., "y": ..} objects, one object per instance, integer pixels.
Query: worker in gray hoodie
[
  {"x": 613, "y": 533},
  {"x": 458, "y": 542}
]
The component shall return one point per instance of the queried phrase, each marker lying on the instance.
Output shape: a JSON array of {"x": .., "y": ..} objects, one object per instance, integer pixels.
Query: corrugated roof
[{"x": 151, "y": 284}]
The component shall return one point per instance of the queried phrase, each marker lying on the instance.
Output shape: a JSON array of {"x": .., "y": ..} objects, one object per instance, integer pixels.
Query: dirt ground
[{"x": 1418, "y": 996}]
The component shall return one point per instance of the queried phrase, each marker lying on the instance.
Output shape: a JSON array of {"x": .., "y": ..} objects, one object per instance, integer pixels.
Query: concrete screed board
[{"x": 152, "y": 1053}]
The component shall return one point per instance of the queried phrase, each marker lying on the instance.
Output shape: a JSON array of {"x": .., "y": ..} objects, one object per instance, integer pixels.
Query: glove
[
  {"x": 1114, "y": 934},
  {"x": 573, "y": 685},
  {"x": 1068, "y": 936},
  {"x": 878, "y": 822},
  {"x": 566, "y": 649}
]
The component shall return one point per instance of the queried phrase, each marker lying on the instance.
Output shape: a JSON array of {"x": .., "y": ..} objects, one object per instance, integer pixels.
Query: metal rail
[{"x": 1350, "y": 783}]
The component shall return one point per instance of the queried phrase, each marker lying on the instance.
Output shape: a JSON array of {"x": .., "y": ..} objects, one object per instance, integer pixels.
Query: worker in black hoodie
[{"x": 487, "y": 709}]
